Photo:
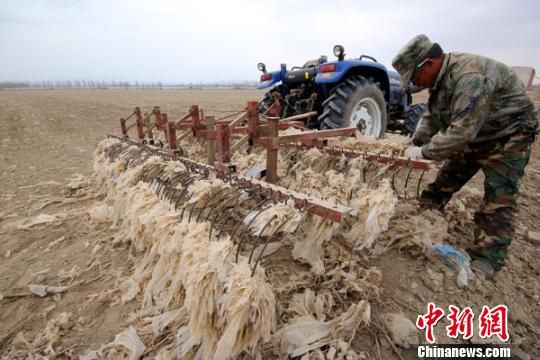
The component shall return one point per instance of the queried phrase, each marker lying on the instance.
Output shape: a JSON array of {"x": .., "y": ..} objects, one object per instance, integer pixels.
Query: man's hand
[{"x": 413, "y": 152}]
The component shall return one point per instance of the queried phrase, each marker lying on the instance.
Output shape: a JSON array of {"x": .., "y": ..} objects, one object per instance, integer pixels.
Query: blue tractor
[{"x": 358, "y": 93}]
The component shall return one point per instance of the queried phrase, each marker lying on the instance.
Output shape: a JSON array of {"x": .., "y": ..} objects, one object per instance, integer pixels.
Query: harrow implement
[
  {"x": 236, "y": 205},
  {"x": 208, "y": 200}
]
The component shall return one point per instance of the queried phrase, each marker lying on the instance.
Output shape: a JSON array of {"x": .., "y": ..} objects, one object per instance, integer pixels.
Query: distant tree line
[{"x": 126, "y": 85}]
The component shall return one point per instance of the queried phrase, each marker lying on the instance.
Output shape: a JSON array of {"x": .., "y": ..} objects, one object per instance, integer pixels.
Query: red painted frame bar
[
  {"x": 171, "y": 134},
  {"x": 397, "y": 160},
  {"x": 312, "y": 135},
  {"x": 139, "y": 122}
]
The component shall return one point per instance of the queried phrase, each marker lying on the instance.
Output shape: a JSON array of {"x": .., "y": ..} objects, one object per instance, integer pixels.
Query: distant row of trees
[{"x": 91, "y": 84}]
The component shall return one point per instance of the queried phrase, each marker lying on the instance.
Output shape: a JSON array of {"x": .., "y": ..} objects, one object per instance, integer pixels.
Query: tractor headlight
[
  {"x": 339, "y": 51},
  {"x": 261, "y": 67}
]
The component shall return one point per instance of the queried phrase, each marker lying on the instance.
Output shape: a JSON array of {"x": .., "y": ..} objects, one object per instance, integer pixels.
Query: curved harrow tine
[
  {"x": 185, "y": 189},
  {"x": 231, "y": 211},
  {"x": 407, "y": 182},
  {"x": 208, "y": 201},
  {"x": 398, "y": 168},
  {"x": 266, "y": 244},
  {"x": 172, "y": 182},
  {"x": 247, "y": 226},
  {"x": 258, "y": 237},
  {"x": 419, "y": 183},
  {"x": 115, "y": 151},
  {"x": 184, "y": 207},
  {"x": 149, "y": 172},
  {"x": 366, "y": 168},
  {"x": 218, "y": 211}
]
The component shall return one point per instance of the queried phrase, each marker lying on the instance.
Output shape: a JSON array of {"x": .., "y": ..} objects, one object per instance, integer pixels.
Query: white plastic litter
[
  {"x": 129, "y": 343},
  {"x": 43, "y": 290},
  {"x": 40, "y": 219}
]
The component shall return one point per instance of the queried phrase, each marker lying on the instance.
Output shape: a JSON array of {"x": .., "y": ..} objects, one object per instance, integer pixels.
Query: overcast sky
[{"x": 200, "y": 40}]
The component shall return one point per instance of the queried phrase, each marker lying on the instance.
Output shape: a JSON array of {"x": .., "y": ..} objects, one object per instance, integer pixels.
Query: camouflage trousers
[{"x": 503, "y": 162}]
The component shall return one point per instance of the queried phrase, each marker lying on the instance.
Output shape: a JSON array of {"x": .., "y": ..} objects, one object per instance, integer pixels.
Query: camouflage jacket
[{"x": 473, "y": 100}]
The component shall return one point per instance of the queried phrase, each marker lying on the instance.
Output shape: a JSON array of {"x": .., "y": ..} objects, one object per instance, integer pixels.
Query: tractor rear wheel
[
  {"x": 268, "y": 99},
  {"x": 356, "y": 102}
]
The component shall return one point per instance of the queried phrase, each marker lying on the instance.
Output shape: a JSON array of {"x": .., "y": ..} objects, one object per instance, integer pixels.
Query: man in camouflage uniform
[{"x": 480, "y": 117}]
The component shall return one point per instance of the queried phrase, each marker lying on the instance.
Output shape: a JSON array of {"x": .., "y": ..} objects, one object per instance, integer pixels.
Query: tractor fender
[
  {"x": 367, "y": 69},
  {"x": 276, "y": 77},
  {"x": 396, "y": 94}
]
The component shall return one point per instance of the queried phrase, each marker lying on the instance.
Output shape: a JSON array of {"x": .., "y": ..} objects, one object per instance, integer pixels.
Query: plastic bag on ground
[{"x": 454, "y": 259}]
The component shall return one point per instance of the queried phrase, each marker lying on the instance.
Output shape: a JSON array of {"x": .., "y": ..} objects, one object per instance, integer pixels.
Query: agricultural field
[{"x": 82, "y": 267}]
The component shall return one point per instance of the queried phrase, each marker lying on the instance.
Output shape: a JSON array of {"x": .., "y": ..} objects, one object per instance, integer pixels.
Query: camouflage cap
[{"x": 412, "y": 54}]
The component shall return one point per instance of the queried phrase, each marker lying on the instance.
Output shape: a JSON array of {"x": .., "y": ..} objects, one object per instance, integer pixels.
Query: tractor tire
[
  {"x": 411, "y": 118},
  {"x": 356, "y": 102},
  {"x": 268, "y": 99}
]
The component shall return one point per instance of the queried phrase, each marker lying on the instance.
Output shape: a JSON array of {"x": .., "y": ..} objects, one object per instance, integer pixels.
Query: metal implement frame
[{"x": 253, "y": 132}]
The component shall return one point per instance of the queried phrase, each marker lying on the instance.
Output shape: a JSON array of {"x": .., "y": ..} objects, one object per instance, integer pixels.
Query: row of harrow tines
[
  {"x": 231, "y": 208},
  {"x": 248, "y": 128}
]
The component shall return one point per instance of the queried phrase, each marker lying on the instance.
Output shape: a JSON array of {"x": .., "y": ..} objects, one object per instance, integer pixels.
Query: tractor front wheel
[{"x": 357, "y": 102}]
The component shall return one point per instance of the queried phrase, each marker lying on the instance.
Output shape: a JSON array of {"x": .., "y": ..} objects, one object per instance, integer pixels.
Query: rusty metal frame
[
  {"x": 219, "y": 134},
  {"x": 369, "y": 156}
]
